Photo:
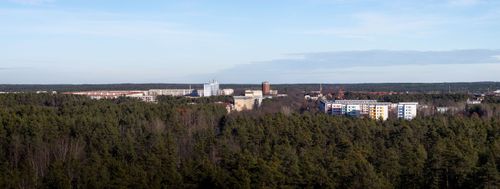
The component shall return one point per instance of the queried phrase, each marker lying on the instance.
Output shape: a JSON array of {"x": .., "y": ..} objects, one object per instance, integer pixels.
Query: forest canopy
[{"x": 64, "y": 141}]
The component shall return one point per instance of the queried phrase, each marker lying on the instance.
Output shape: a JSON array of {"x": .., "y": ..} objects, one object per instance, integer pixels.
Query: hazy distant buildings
[
  {"x": 142, "y": 95},
  {"x": 173, "y": 92},
  {"x": 209, "y": 89},
  {"x": 46, "y": 92},
  {"x": 407, "y": 110}
]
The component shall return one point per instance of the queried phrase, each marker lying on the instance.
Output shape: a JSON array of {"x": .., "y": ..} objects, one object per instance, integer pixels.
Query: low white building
[
  {"x": 313, "y": 96},
  {"x": 273, "y": 92},
  {"x": 172, "y": 92},
  {"x": 97, "y": 95},
  {"x": 407, "y": 110},
  {"x": 442, "y": 110},
  {"x": 474, "y": 101},
  {"x": 226, "y": 92},
  {"x": 254, "y": 93}
]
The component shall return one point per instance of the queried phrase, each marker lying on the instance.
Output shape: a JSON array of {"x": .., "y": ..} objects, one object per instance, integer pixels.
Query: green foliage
[{"x": 60, "y": 141}]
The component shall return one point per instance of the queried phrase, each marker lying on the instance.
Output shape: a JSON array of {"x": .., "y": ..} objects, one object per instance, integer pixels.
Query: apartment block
[
  {"x": 357, "y": 108},
  {"x": 245, "y": 103},
  {"x": 407, "y": 110},
  {"x": 379, "y": 111}
]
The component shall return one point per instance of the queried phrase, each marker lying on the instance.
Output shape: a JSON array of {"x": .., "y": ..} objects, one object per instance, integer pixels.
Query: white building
[
  {"x": 474, "y": 101},
  {"x": 97, "y": 95},
  {"x": 313, "y": 96},
  {"x": 172, "y": 92},
  {"x": 442, "y": 110},
  {"x": 407, "y": 110},
  {"x": 364, "y": 104},
  {"x": 211, "y": 89},
  {"x": 353, "y": 110},
  {"x": 254, "y": 93},
  {"x": 226, "y": 92}
]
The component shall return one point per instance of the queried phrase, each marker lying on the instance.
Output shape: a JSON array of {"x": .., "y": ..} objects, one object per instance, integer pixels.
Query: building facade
[
  {"x": 173, "y": 92},
  {"x": 407, "y": 110},
  {"x": 98, "y": 95},
  {"x": 379, "y": 111},
  {"x": 254, "y": 93},
  {"x": 353, "y": 110},
  {"x": 356, "y": 108},
  {"x": 242, "y": 103},
  {"x": 226, "y": 92}
]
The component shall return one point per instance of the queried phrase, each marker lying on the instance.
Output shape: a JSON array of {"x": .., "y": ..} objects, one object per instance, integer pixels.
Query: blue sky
[{"x": 328, "y": 41}]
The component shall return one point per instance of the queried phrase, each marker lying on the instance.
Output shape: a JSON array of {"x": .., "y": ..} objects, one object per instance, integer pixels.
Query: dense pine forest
[{"x": 63, "y": 141}]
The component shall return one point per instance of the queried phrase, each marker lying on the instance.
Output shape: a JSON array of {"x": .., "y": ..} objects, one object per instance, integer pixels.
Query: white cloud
[{"x": 365, "y": 66}]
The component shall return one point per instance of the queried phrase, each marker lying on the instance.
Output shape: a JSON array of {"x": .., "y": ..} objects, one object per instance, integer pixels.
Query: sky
[{"x": 292, "y": 41}]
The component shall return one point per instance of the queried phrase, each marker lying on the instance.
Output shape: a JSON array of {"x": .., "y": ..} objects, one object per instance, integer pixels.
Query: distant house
[
  {"x": 442, "y": 110},
  {"x": 315, "y": 95},
  {"x": 474, "y": 101},
  {"x": 497, "y": 92}
]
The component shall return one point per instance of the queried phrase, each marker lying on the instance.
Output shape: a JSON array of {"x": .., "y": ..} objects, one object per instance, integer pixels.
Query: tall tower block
[{"x": 266, "y": 88}]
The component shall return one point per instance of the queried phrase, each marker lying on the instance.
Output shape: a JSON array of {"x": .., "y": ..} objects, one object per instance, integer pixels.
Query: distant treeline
[
  {"x": 64, "y": 141},
  {"x": 465, "y": 87},
  {"x": 285, "y": 88}
]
